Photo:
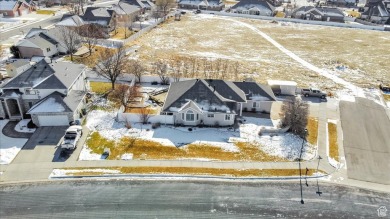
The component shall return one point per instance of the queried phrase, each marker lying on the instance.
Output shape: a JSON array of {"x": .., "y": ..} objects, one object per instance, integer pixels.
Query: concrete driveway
[
  {"x": 41, "y": 147},
  {"x": 366, "y": 140}
]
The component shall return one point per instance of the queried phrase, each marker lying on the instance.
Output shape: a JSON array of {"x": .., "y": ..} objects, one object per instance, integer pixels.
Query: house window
[
  {"x": 190, "y": 116},
  {"x": 182, "y": 116},
  {"x": 30, "y": 104},
  {"x": 48, "y": 50},
  {"x": 254, "y": 104},
  {"x": 210, "y": 115},
  {"x": 227, "y": 117}
]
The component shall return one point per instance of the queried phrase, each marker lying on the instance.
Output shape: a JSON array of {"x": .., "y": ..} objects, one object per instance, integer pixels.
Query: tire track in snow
[{"x": 355, "y": 89}]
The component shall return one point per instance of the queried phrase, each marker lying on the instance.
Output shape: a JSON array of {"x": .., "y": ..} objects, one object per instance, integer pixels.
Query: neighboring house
[
  {"x": 52, "y": 94},
  {"x": 254, "y": 7},
  {"x": 11, "y": 8},
  {"x": 102, "y": 16},
  {"x": 145, "y": 6},
  {"x": 126, "y": 13},
  {"x": 210, "y": 5},
  {"x": 41, "y": 42},
  {"x": 214, "y": 102},
  {"x": 71, "y": 21},
  {"x": 376, "y": 11},
  {"x": 319, "y": 14},
  {"x": 17, "y": 66}
]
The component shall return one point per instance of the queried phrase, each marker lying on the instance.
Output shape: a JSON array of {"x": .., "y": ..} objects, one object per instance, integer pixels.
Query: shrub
[
  {"x": 156, "y": 125},
  {"x": 245, "y": 109},
  {"x": 216, "y": 124},
  {"x": 154, "y": 83},
  {"x": 190, "y": 129},
  {"x": 253, "y": 110},
  {"x": 31, "y": 125}
]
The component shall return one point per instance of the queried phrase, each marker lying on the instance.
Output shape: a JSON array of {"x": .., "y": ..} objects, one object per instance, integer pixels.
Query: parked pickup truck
[
  {"x": 313, "y": 93},
  {"x": 71, "y": 137}
]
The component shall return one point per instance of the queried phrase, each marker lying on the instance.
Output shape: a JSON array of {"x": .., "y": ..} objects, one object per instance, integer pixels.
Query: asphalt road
[
  {"x": 174, "y": 199},
  {"x": 366, "y": 136}
]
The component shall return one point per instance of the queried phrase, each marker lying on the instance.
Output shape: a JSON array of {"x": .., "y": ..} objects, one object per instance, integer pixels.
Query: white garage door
[{"x": 55, "y": 120}]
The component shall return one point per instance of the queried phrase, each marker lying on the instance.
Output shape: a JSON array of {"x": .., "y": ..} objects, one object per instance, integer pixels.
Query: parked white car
[{"x": 71, "y": 137}]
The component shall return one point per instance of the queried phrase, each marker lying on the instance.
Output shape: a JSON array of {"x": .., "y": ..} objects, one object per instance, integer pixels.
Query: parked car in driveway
[
  {"x": 313, "y": 93},
  {"x": 71, "y": 137}
]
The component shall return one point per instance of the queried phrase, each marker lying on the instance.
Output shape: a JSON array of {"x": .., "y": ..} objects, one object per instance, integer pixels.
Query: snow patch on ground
[
  {"x": 22, "y": 126},
  {"x": 283, "y": 145},
  {"x": 9, "y": 147},
  {"x": 62, "y": 172}
]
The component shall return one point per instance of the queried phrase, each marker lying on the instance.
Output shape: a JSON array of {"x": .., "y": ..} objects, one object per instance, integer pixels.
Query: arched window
[{"x": 190, "y": 116}]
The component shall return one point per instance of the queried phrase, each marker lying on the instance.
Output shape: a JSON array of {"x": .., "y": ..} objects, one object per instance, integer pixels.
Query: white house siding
[
  {"x": 53, "y": 50},
  {"x": 219, "y": 118},
  {"x": 79, "y": 83},
  {"x": 28, "y": 52},
  {"x": 261, "y": 106}
]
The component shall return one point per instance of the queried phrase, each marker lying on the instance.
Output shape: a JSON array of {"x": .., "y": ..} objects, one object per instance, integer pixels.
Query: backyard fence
[
  {"x": 135, "y": 118},
  {"x": 324, "y": 23}
]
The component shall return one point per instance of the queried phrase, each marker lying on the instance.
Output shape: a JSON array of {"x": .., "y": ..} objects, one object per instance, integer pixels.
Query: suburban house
[
  {"x": 51, "y": 93},
  {"x": 41, "y": 42},
  {"x": 319, "y": 14},
  {"x": 145, "y": 5},
  {"x": 17, "y": 66},
  {"x": 210, "y": 5},
  {"x": 102, "y": 16},
  {"x": 215, "y": 102},
  {"x": 16, "y": 8},
  {"x": 126, "y": 13},
  {"x": 254, "y": 7},
  {"x": 377, "y": 11},
  {"x": 70, "y": 21}
]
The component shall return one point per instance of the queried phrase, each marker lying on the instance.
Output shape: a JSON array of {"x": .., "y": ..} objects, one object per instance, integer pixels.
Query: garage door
[{"x": 55, "y": 120}]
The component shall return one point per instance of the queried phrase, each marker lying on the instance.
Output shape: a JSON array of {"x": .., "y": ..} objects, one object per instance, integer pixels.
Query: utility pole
[
  {"x": 318, "y": 187},
  {"x": 299, "y": 162}
]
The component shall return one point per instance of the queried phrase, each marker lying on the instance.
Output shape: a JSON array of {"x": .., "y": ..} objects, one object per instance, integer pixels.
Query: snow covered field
[
  {"x": 9, "y": 147},
  {"x": 282, "y": 145},
  {"x": 308, "y": 54}
]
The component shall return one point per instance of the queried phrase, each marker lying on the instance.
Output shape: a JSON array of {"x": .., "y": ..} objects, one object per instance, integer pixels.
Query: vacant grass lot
[
  {"x": 333, "y": 146},
  {"x": 195, "y": 171},
  {"x": 364, "y": 53},
  {"x": 145, "y": 149}
]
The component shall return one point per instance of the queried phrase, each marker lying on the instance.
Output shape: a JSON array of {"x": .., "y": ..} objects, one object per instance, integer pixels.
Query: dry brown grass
[
  {"x": 100, "y": 87},
  {"x": 145, "y": 149},
  {"x": 333, "y": 145},
  {"x": 353, "y": 48},
  {"x": 151, "y": 111},
  {"x": 197, "y": 171},
  {"x": 120, "y": 34},
  {"x": 312, "y": 129},
  {"x": 386, "y": 97},
  {"x": 89, "y": 60}
]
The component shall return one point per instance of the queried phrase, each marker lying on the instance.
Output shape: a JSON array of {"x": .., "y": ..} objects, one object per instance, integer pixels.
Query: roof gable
[{"x": 53, "y": 103}]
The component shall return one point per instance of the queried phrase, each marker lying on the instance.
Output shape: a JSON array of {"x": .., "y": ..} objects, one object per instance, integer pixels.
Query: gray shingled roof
[
  {"x": 48, "y": 105},
  {"x": 252, "y": 88},
  {"x": 74, "y": 98},
  {"x": 125, "y": 8},
  {"x": 226, "y": 91},
  {"x": 254, "y": 3},
  {"x": 65, "y": 72}
]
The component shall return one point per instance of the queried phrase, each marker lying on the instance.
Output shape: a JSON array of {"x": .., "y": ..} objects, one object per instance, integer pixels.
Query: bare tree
[
  {"x": 111, "y": 64},
  {"x": 236, "y": 70},
  {"x": 161, "y": 69},
  {"x": 136, "y": 68},
  {"x": 90, "y": 35},
  {"x": 71, "y": 40},
  {"x": 145, "y": 114},
  {"x": 164, "y": 6},
  {"x": 176, "y": 65},
  {"x": 295, "y": 115},
  {"x": 124, "y": 94}
]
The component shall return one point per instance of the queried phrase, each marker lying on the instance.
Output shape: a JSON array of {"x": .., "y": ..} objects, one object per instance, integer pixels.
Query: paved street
[{"x": 170, "y": 199}]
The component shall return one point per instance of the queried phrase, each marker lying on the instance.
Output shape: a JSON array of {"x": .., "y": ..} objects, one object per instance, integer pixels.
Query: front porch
[{"x": 11, "y": 103}]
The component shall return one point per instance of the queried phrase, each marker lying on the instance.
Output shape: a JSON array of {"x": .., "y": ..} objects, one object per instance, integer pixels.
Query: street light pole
[
  {"x": 299, "y": 162},
  {"x": 318, "y": 187}
]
